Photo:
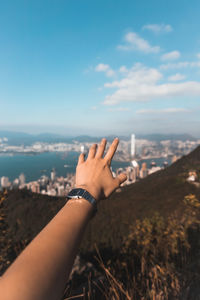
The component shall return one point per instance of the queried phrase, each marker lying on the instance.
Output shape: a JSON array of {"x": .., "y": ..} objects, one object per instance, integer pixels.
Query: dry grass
[{"x": 157, "y": 259}]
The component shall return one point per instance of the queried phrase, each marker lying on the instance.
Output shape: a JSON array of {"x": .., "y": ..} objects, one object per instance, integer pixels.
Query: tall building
[
  {"x": 53, "y": 174},
  {"x": 16, "y": 182},
  {"x": 144, "y": 171},
  {"x": 136, "y": 168},
  {"x": 82, "y": 149},
  {"x": 132, "y": 145},
  {"x": 131, "y": 174},
  {"x": 61, "y": 190},
  {"x": 22, "y": 179},
  {"x": 35, "y": 187},
  {"x": 5, "y": 182}
]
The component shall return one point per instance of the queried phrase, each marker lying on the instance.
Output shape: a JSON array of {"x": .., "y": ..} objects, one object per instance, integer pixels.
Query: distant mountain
[
  {"x": 163, "y": 137},
  {"x": 21, "y": 138},
  {"x": 17, "y": 138}
]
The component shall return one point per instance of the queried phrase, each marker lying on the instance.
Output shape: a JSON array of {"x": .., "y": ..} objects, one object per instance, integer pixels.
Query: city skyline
[{"x": 100, "y": 68}]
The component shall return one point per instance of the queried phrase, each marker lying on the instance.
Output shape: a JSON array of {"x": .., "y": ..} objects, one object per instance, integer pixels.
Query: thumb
[{"x": 120, "y": 178}]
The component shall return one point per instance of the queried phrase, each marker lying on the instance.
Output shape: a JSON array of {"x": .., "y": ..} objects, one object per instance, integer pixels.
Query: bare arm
[{"x": 42, "y": 269}]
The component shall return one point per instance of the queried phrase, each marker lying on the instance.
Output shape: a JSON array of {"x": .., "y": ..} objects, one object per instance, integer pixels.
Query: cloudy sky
[{"x": 100, "y": 66}]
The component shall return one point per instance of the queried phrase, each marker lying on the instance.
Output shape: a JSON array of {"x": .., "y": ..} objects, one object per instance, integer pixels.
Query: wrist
[
  {"x": 95, "y": 193},
  {"x": 81, "y": 205},
  {"x": 80, "y": 194}
]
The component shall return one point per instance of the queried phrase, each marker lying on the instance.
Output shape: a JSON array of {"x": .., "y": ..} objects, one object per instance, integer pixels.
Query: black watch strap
[{"x": 79, "y": 193}]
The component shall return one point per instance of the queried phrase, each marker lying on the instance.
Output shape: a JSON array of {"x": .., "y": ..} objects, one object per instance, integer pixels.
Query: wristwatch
[{"x": 79, "y": 193}]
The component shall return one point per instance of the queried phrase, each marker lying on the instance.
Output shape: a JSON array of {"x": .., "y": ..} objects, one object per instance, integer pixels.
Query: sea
[{"x": 33, "y": 166}]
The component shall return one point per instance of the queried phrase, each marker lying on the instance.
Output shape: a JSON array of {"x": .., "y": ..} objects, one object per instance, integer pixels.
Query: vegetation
[
  {"x": 159, "y": 259},
  {"x": 141, "y": 253}
]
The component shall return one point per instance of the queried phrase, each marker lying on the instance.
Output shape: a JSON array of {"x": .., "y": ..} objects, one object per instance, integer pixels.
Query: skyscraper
[
  {"x": 22, "y": 179},
  {"x": 132, "y": 145},
  {"x": 82, "y": 149},
  {"x": 53, "y": 174}
]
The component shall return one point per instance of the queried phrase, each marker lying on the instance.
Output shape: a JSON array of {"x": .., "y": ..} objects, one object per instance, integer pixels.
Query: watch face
[{"x": 76, "y": 193}]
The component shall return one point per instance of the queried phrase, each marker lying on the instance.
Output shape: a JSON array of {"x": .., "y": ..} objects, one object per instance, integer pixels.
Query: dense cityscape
[{"x": 132, "y": 150}]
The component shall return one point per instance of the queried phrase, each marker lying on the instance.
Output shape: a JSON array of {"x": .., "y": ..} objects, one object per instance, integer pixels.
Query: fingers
[
  {"x": 81, "y": 158},
  {"x": 92, "y": 151},
  {"x": 116, "y": 183},
  {"x": 98, "y": 153},
  {"x": 111, "y": 151},
  {"x": 120, "y": 179},
  {"x": 101, "y": 148}
]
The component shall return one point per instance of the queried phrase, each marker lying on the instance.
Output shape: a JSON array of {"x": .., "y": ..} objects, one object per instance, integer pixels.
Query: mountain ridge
[{"x": 19, "y": 138}]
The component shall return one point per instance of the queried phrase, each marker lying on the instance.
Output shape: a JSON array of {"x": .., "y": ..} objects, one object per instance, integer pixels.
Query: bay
[{"x": 34, "y": 166}]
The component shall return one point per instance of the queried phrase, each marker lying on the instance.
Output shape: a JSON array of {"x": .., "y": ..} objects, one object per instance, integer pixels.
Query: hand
[{"x": 94, "y": 174}]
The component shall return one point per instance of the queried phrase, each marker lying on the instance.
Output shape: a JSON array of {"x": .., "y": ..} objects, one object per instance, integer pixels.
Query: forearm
[{"x": 41, "y": 271}]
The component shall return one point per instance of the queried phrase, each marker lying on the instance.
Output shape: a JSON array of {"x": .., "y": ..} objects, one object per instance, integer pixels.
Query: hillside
[
  {"x": 25, "y": 214},
  {"x": 162, "y": 192}
]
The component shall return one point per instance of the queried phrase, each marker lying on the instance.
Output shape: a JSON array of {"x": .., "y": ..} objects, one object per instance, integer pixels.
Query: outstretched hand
[{"x": 94, "y": 173}]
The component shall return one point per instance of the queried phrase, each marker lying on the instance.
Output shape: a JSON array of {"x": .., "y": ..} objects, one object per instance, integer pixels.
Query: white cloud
[
  {"x": 102, "y": 67},
  {"x": 106, "y": 69},
  {"x": 119, "y": 109},
  {"x": 163, "y": 111},
  {"x": 123, "y": 69},
  {"x": 198, "y": 55},
  {"x": 158, "y": 28},
  {"x": 176, "y": 77},
  {"x": 135, "y": 42},
  {"x": 180, "y": 65},
  {"x": 142, "y": 84},
  {"x": 171, "y": 55},
  {"x": 137, "y": 75}
]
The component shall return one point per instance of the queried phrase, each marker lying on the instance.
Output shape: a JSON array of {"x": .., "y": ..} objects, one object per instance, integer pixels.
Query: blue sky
[{"x": 100, "y": 67}]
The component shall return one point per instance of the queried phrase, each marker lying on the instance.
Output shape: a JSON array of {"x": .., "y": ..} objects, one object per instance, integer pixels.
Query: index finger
[{"x": 112, "y": 149}]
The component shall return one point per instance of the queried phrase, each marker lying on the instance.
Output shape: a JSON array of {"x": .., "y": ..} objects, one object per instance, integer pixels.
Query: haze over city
[{"x": 100, "y": 67}]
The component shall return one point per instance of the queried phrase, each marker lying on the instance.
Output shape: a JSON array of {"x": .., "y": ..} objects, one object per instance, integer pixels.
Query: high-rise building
[
  {"x": 82, "y": 149},
  {"x": 136, "y": 168},
  {"x": 61, "y": 190},
  {"x": 5, "y": 182},
  {"x": 131, "y": 174},
  {"x": 143, "y": 171},
  {"x": 132, "y": 145},
  {"x": 35, "y": 187},
  {"x": 22, "y": 179},
  {"x": 53, "y": 174},
  {"x": 16, "y": 182}
]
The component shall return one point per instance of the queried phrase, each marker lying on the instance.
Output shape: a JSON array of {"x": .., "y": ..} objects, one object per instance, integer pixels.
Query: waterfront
[{"x": 34, "y": 166}]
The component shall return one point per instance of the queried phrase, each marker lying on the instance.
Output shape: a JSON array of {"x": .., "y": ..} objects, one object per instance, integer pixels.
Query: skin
[{"x": 42, "y": 269}]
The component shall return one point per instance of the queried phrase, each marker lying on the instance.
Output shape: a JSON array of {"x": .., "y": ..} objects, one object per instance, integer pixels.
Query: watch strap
[{"x": 79, "y": 193}]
